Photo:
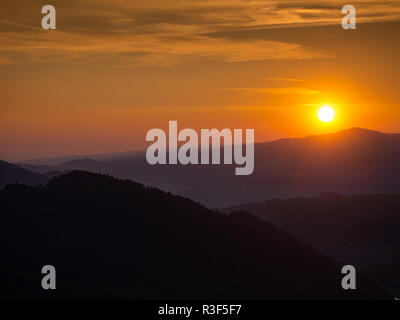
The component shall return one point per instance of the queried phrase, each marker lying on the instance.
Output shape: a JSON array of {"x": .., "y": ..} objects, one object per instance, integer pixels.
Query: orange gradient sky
[{"x": 115, "y": 69}]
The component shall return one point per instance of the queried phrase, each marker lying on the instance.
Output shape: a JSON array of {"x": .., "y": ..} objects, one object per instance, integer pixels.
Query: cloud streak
[
  {"x": 123, "y": 33},
  {"x": 280, "y": 91}
]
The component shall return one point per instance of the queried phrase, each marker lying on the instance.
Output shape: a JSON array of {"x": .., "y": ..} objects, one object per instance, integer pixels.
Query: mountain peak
[
  {"x": 79, "y": 162},
  {"x": 353, "y": 134},
  {"x": 359, "y": 130}
]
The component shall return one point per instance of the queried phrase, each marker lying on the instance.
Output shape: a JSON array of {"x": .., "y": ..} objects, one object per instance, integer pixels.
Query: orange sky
[{"x": 115, "y": 69}]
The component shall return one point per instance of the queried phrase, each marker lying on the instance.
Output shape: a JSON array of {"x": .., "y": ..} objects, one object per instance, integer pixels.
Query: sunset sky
[{"x": 115, "y": 69}]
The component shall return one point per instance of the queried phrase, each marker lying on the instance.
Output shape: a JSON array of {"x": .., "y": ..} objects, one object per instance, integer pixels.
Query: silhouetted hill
[
  {"x": 350, "y": 161},
  {"x": 80, "y": 163},
  {"x": 56, "y": 161},
  {"x": 52, "y": 174},
  {"x": 362, "y": 230},
  {"x": 109, "y": 238},
  {"x": 10, "y": 173}
]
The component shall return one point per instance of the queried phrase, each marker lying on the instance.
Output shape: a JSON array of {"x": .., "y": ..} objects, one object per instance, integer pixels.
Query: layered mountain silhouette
[
  {"x": 350, "y": 161},
  {"x": 361, "y": 230},
  {"x": 10, "y": 173},
  {"x": 109, "y": 238}
]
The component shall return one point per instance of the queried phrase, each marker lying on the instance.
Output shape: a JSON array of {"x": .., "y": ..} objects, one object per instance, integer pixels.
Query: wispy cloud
[
  {"x": 127, "y": 33},
  {"x": 279, "y": 91},
  {"x": 127, "y": 50},
  {"x": 5, "y": 61},
  {"x": 285, "y": 79}
]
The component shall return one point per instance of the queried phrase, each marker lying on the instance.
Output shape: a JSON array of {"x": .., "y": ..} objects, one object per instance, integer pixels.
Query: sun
[{"x": 326, "y": 114}]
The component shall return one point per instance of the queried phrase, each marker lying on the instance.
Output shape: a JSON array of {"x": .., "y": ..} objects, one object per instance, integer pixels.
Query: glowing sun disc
[{"x": 326, "y": 114}]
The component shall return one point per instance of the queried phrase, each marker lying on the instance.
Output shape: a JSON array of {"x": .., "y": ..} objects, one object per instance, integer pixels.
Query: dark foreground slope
[
  {"x": 362, "y": 230},
  {"x": 109, "y": 238},
  {"x": 10, "y": 173}
]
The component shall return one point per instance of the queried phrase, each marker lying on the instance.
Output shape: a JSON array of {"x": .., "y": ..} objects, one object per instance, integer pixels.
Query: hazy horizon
[
  {"x": 61, "y": 157},
  {"x": 112, "y": 71}
]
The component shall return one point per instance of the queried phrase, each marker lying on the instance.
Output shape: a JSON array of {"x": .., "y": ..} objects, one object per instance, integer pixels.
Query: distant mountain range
[
  {"x": 361, "y": 230},
  {"x": 56, "y": 161},
  {"x": 110, "y": 238},
  {"x": 10, "y": 173},
  {"x": 350, "y": 161}
]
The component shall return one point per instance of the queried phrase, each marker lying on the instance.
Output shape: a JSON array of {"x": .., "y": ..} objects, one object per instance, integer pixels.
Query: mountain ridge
[
  {"x": 349, "y": 161},
  {"x": 162, "y": 246},
  {"x": 60, "y": 160},
  {"x": 354, "y": 160},
  {"x": 10, "y": 173},
  {"x": 357, "y": 229}
]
